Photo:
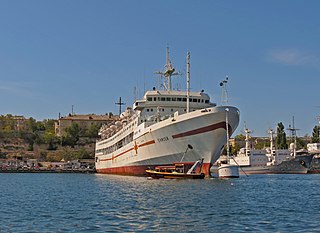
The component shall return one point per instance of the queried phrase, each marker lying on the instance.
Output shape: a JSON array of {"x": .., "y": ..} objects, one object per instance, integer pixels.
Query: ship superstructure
[{"x": 161, "y": 129}]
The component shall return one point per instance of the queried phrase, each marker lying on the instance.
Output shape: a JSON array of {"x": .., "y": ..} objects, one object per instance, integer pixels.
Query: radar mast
[{"x": 170, "y": 71}]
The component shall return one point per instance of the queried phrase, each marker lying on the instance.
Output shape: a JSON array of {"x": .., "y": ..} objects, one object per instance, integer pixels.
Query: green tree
[
  {"x": 72, "y": 134},
  {"x": 49, "y": 125},
  {"x": 92, "y": 131},
  {"x": 281, "y": 139},
  {"x": 235, "y": 148},
  {"x": 31, "y": 124},
  {"x": 7, "y": 124},
  {"x": 301, "y": 143},
  {"x": 315, "y": 134},
  {"x": 51, "y": 139},
  {"x": 240, "y": 137}
]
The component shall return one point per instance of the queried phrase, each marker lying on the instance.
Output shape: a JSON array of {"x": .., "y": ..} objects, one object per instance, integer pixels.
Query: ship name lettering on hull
[{"x": 163, "y": 139}]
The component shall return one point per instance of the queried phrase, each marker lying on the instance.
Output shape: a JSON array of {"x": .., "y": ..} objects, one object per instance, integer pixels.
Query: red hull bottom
[{"x": 141, "y": 170}]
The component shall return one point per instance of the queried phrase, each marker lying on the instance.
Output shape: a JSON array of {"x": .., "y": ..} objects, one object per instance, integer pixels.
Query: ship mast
[
  {"x": 271, "y": 138},
  {"x": 170, "y": 71},
  {"x": 271, "y": 133},
  {"x": 247, "y": 132},
  {"x": 188, "y": 82},
  {"x": 293, "y": 136},
  {"x": 224, "y": 94},
  {"x": 228, "y": 136}
]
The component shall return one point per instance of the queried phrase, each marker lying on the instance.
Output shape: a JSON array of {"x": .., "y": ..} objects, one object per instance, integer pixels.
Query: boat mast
[
  {"x": 170, "y": 71},
  {"x": 224, "y": 94},
  {"x": 228, "y": 136},
  {"x": 271, "y": 133},
  {"x": 247, "y": 131},
  {"x": 293, "y": 136},
  {"x": 188, "y": 82}
]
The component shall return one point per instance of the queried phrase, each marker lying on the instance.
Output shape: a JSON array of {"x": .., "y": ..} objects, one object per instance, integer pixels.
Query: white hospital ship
[{"x": 164, "y": 127}]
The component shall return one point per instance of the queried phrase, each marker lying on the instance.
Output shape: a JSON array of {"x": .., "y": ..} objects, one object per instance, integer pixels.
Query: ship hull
[
  {"x": 171, "y": 141},
  {"x": 315, "y": 165}
]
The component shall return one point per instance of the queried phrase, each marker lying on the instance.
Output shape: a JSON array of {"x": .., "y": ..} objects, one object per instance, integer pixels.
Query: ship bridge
[{"x": 168, "y": 102}]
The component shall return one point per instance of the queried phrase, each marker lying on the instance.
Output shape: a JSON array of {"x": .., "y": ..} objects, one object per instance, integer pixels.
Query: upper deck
[{"x": 175, "y": 100}]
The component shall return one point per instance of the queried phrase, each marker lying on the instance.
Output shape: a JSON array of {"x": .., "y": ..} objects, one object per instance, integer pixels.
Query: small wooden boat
[{"x": 177, "y": 171}]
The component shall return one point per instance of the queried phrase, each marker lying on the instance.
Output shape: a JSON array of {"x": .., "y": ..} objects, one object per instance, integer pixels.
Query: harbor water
[{"x": 110, "y": 203}]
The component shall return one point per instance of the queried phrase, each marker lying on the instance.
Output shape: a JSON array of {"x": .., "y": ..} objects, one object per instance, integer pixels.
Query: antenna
[
  {"x": 224, "y": 94},
  {"x": 318, "y": 118},
  {"x": 170, "y": 71},
  {"x": 188, "y": 82},
  {"x": 293, "y": 136},
  {"x": 120, "y": 103},
  {"x": 247, "y": 132},
  {"x": 271, "y": 133}
]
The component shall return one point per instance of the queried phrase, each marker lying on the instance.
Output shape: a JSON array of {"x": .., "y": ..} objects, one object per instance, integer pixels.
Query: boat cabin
[
  {"x": 168, "y": 102},
  {"x": 176, "y": 167}
]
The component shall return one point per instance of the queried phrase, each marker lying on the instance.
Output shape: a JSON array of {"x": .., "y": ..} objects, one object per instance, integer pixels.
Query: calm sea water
[{"x": 109, "y": 203}]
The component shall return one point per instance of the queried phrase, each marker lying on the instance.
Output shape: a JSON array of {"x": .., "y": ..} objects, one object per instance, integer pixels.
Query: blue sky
[{"x": 55, "y": 54}]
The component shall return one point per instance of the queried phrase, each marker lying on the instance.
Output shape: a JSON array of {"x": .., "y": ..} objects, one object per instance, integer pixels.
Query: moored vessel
[
  {"x": 178, "y": 171},
  {"x": 271, "y": 160},
  {"x": 164, "y": 127}
]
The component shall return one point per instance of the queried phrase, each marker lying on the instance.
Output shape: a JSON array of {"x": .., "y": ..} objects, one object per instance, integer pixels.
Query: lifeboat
[
  {"x": 118, "y": 124},
  {"x": 113, "y": 127}
]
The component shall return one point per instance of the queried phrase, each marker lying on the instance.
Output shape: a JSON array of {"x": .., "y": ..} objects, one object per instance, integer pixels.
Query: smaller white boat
[{"x": 225, "y": 169}]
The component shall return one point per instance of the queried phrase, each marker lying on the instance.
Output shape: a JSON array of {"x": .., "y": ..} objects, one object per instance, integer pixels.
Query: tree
[
  {"x": 92, "y": 131},
  {"x": 315, "y": 134},
  {"x": 49, "y": 125},
  {"x": 281, "y": 139},
  {"x": 51, "y": 139},
  {"x": 240, "y": 137},
  {"x": 72, "y": 134},
  {"x": 31, "y": 124},
  {"x": 301, "y": 143}
]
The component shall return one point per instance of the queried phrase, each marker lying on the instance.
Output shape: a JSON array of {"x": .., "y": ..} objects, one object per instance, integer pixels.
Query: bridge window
[
  {"x": 174, "y": 99},
  {"x": 184, "y": 99},
  {"x": 168, "y": 99},
  {"x": 149, "y": 98},
  {"x": 207, "y": 101},
  {"x": 179, "y": 99}
]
